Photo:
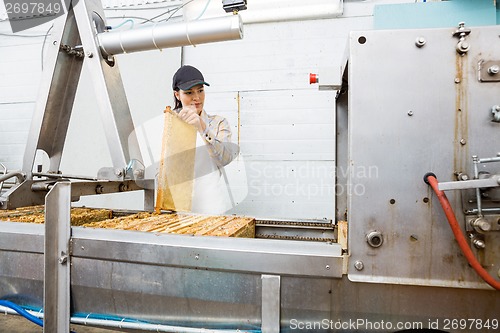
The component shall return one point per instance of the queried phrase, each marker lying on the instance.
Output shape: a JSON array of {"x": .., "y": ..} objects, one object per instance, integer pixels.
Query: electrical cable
[
  {"x": 136, "y": 7},
  {"x": 124, "y": 22},
  {"x": 160, "y": 15},
  {"x": 132, "y": 17},
  {"x": 18, "y": 35},
  {"x": 431, "y": 180},
  {"x": 114, "y": 321},
  {"x": 22, "y": 312},
  {"x": 177, "y": 9},
  {"x": 203, "y": 11}
]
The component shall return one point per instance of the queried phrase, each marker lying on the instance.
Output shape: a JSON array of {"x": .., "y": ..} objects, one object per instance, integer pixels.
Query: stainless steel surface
[
  {"x": 165, "y": 35},
  {"x": 440, "y": 86},
  {"x": 57, "y": 260},
  {"x": 164, "y": 278},
  {"x": 111, "y": 173},
  {"x": 21, "y": 195},
  {"x": 171, "y": 294},
  {"x": 271, "y": 303},
  {"x": 261, "y": 256}
]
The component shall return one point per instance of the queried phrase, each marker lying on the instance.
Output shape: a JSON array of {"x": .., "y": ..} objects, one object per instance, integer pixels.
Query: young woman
[{"x": 214, "y": 147}]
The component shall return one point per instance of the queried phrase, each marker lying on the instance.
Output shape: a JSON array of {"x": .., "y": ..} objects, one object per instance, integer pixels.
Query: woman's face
[{"x": 194, "y": 96}]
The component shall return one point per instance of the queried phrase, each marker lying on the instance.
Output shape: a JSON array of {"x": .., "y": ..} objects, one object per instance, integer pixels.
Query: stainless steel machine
[{"x": 413, "y": 105}]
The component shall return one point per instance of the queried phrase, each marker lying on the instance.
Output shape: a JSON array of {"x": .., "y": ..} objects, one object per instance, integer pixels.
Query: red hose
[{"x": 462, "y": 241}]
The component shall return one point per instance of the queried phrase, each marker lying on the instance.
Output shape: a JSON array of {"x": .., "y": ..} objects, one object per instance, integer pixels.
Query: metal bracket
[
  {"x": 271, "y": 303},
  {"x": 462, "y": 46},
  {"x": 495, "y": 112},
  {"x": 489, "y": 70},
  {"x": 493, "y": 181}
]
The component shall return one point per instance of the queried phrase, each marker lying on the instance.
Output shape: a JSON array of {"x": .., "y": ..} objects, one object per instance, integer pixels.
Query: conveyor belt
[{"x": 317, "y": 231}]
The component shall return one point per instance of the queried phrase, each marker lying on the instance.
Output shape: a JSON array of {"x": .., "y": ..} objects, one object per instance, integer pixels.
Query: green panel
[{"x": 436, "y": 14}]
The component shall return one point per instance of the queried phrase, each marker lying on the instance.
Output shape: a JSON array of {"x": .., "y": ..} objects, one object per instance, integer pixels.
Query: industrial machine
[{"x": 418, "y": 128}]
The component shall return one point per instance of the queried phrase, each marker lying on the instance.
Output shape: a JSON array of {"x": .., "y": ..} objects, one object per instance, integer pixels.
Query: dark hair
[{"x": 178, "y": 104}]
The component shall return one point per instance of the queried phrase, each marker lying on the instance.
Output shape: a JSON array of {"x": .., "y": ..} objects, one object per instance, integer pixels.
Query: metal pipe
[
  {"x": 165, "y": 35},
  {"x": 489, "y": 159},
  {"x": 125, "y": 324},
  {"x": 146, "y": 326},
  {"x": 18, "y": 174},
  {"x": 61, "y": 176},
  {"x": 483, "y": 210}
]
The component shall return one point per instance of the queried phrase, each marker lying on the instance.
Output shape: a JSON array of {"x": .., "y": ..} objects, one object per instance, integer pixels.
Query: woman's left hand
[{"x": 190, "y": 116}]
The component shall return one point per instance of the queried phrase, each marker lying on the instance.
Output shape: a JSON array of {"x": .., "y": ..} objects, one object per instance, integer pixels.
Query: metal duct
[{"x": 165, "y": 35}]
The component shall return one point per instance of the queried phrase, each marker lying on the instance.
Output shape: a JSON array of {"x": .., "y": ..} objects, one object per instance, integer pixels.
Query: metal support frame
[
  {"x": 57, "y": 259},
  {"x": 271, "y": 303},
  {"x": 59, "y": 83},
  {"x": 54, "y": 105}
]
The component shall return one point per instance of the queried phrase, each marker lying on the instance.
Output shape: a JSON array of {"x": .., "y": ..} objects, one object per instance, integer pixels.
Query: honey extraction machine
[{"x": 417, "y": 113}]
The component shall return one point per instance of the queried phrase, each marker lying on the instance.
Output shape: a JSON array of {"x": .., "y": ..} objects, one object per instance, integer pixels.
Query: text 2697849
[
  {"x": 33, "y": 8},
  {"x": 470, "y": 324}
]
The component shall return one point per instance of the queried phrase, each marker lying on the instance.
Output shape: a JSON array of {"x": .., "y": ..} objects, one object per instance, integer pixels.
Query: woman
[{"x": 214, "y": 147}]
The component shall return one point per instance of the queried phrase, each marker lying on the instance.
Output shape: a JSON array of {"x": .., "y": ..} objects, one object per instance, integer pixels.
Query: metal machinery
[{"x": 412, "y": 102}]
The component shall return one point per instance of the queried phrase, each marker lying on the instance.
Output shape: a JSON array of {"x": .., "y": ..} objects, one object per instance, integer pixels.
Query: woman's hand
[{"x": 190, "y": 116}]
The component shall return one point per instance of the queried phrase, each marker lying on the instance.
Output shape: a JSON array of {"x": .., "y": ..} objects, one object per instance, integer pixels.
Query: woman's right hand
[{"x": 190, "y": 116}]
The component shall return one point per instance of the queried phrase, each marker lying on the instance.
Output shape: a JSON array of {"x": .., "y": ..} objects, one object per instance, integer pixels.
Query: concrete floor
[{"x": 17, "y": 324}]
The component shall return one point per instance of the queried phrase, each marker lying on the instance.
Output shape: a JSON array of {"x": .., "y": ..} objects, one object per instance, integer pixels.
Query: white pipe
[
  {"x": 264, "y": 11},
  {"x": 165, "y": 35},
  {"x": 146, "y": 326},
  {"x": 300, "y": 13},
  {"x": 126, "y": 325}
]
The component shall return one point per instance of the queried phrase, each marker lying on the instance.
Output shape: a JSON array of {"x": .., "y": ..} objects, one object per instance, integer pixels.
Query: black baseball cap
[{"x": 187, "y": 77}]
